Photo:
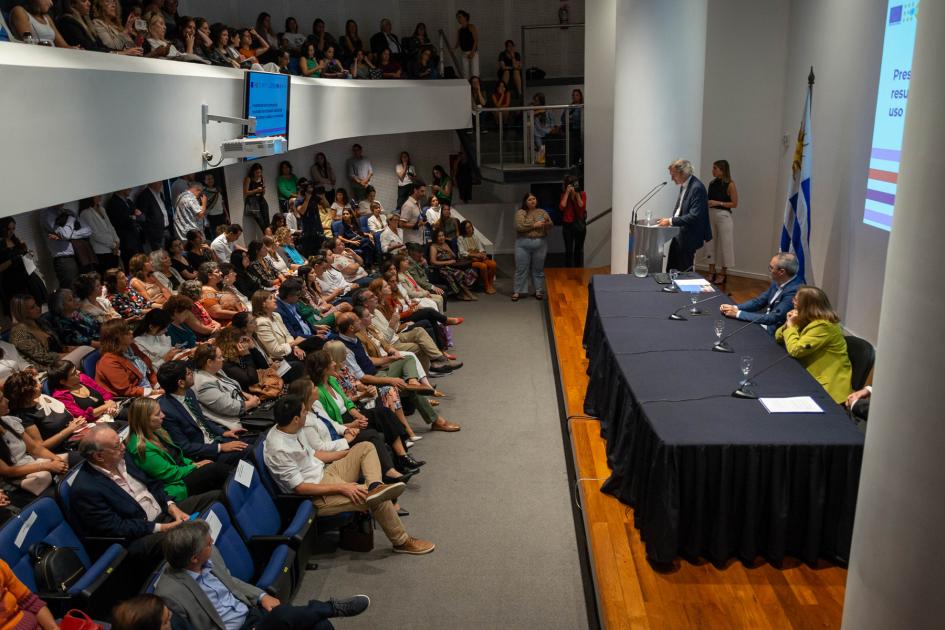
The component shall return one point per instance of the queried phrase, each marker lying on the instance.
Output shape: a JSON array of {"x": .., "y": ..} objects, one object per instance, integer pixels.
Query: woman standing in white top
[
  {"x": 33, "y": 21},
  {"x": 405, "y": 174},
  {"x": 104, "y": 239}
]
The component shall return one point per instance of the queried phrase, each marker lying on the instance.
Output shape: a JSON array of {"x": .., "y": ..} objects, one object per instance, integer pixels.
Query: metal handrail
[
  {"x": 527, "y": 129},
  {"x": 529, "y": 108},
  {"x": 601, "y": 215},
  {"x": 445, "y": 40}
]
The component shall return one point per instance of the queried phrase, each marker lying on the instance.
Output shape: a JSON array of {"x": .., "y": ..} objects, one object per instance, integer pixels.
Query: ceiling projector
[{"x": 253, "y": 147}]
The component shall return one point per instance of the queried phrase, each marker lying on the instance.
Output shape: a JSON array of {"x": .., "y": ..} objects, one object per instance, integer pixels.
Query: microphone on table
[
  {"x": 720, "y": 345},
  {"x": 677, "y": 317},
  {"x": 746, "y": 388},
  {"x": 672, "y": 288},
  {"x": 643, "y": 201}
]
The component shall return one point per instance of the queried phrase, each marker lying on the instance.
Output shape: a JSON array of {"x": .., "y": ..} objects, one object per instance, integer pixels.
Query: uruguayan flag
[{"x": 795, "y": 233}]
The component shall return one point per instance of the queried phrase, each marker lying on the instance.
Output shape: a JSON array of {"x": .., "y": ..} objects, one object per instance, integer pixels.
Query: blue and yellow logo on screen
[{"x": 903, "y": 13}]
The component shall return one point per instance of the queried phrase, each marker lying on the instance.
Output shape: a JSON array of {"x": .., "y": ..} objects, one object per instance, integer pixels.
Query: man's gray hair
[
  {"x": 89, "y": 444},
  {"x": 184, "y": 542},
  {"x": 788, "y": 262},
  {"x": 682, "y": 166}
]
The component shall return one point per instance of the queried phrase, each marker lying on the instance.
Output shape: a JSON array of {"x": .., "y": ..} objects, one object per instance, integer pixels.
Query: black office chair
[{"x": 862, "y": 357}]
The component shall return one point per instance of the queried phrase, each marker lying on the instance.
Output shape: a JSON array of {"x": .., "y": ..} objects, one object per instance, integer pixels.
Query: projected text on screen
[{"x": 894, "y": 75}]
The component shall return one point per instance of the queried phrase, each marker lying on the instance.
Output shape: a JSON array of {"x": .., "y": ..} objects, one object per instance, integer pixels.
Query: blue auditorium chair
[
  {"x": 89, "y": 362},
  {"x": 336, "y": 228}
]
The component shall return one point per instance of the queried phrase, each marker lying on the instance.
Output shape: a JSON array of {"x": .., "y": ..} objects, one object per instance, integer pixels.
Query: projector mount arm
[{"x": 206, "y": 117}]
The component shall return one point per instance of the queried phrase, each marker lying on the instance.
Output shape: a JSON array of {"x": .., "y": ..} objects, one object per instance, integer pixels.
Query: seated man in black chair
[
  {"x": 112, "y": 497},
  {"x": 184, "y": 420},
  {"x": 198, "y": 588}
]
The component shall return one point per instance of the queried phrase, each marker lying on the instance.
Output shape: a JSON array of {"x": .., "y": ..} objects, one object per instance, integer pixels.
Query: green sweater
[
  {"x": 331, "y": 407},
  {"x": 159, "y": 464}
]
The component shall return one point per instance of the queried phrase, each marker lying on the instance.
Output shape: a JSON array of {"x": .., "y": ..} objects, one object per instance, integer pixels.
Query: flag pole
[{"x": 810, "y": 86}]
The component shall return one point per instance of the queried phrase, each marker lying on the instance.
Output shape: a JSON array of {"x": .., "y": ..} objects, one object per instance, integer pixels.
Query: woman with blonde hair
[
  {"x": 116, "y": 36},
  {"x": 38, "y": 343},
  {"x": 153, "y": 450},
  {"x": 812, "y": 335},
  {"x": 144, "y": 282}
]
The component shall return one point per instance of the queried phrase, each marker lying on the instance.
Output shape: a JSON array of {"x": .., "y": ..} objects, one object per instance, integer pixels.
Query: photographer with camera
[
  {"x": 573, "y": 206},
  {"x": 307, "y": 218}
]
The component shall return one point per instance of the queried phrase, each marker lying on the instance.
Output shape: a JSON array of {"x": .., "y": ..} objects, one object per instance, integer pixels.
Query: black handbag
[
  {"x": 358, "y": 535},
  {"x": 56, "y": 568}
]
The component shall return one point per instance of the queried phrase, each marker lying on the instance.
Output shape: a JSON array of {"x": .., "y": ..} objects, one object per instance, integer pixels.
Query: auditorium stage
[{"x": 629, "y": 592}]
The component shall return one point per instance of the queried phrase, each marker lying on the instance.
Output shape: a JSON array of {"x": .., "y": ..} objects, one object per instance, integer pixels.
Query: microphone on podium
[
  {"x": 672, "y": 288},
  {"x": 679, "y": 318},
  {"x": 721, "y": 346},
  {"x": 746, "y": 388},
  {"x": 643, "y": 201}
]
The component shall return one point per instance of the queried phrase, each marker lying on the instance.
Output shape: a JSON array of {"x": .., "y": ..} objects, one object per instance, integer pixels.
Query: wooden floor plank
[{"x": 631, "y": 593}]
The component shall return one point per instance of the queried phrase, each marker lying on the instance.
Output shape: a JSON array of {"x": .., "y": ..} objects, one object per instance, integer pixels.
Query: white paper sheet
[
  {"x": 244, "y": 473},
  {"x": 24, "y": 530},
  {"x": 694, "y": 286},
  {"x": 284, "y": 367},
  {"x": 213, "y": 522},
  {"x": 795, "y": 404}
]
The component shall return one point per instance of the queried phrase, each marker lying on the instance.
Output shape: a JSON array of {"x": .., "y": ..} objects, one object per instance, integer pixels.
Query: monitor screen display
[{"x": 267, "y": 99}]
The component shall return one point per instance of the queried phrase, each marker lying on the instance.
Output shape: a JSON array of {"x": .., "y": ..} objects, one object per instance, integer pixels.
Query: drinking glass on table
[
  {"x": 693, "y": 299},
  {"x": 719, "y": 328},
  {"x": 746, "y": 364}
]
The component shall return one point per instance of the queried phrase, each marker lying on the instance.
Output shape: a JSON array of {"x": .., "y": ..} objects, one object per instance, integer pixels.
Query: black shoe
[
  {"x": 402, "y": 512},
  {"x": 405, "y": 476},
  {"x": 350, "y": 607},
  {"x": 409, "y": 462},
  {"x": 440, "y": 368}
]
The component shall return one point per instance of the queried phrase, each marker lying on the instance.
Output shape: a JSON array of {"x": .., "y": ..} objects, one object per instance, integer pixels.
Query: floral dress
[
  {"x": 455, "y": 278},
  {"x": 130, "y": 303},
  {"x": 389, "y": 397}
]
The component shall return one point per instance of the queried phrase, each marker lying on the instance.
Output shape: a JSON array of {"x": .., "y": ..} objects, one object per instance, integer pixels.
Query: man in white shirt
[
  {"x": 411, "y": 222},
  {"x": 392, "y": 238},
  {"x": 300, "y": 469},
  {"x": 225, "y": 244},
  {"x": 331, "y": 282}
]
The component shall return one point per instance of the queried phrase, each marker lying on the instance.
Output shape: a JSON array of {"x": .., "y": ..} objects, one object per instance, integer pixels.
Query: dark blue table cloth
[{"x": 709, "y": 475}]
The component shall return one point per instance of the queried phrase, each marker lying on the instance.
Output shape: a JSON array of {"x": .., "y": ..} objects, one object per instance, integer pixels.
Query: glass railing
[{"x": 529, "y": 137}]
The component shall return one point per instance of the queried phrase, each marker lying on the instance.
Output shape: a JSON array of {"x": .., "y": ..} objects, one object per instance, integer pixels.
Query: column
[
  {"x": 896, "y": 570},
  {"x": 658, "y": 85}
]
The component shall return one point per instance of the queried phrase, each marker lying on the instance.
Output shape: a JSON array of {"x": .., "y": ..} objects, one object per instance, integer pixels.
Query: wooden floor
[{"x": 630, "y": 593}]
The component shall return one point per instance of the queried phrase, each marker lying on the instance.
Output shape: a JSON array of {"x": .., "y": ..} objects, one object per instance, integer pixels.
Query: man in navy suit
[
  {"x": 112, "y": 497},
  {"x": 691, "y": 216},
  {"x": 198, "y": 436},
  {"x": 770, "y": 309},
  {"x": 289, "y": 293}
]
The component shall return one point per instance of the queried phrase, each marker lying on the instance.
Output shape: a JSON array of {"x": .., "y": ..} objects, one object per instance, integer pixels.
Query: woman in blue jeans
[{"x": 532, "y": 225}]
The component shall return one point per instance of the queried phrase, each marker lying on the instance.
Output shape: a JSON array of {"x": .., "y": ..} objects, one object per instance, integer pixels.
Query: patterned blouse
[
  {"x": 79, "y": 329},
  {"x": 130, "y": 303}
]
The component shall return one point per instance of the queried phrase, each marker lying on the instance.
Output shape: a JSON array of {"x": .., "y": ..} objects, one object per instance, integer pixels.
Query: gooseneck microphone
[
  {"x": 721, "y": 346},
  {"x": 649, "y": 195},
  {"x": 672, "y": 288},
  {"x": 677, "y": 317},
  {"x": 746, "y": 388}
]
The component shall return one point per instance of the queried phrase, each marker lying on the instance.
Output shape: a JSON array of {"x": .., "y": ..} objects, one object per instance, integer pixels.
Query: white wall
[{"x": 111, "y": 122}]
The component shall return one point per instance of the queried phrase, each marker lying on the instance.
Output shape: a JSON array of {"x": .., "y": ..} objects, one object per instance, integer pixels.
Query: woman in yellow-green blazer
[{"x": 813, "y": 336}]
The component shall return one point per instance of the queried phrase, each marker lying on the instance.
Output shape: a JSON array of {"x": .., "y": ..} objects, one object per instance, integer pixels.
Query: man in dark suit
[
  {"x": 157, "y": 218},
  {"x": 112, "y": 497},
  {"x": 386, "y": 39},
  {"x": 770, "y": 309},
  {"x": 198, "y": 436},
  {"x": 127, "y": 221},
  {"x": 289, "y": 293},
  {"x": 198, "y": 588},
  {"x": 691, "y": 216}
]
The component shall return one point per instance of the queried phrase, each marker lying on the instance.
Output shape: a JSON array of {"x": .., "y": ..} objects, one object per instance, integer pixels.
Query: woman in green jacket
[
  {"x": 812, "y": 335},
  {"x": 153, "y": 450}
]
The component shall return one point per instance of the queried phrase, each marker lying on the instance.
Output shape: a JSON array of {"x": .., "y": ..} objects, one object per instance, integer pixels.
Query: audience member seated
[
  {"x": 219, "y": 54},
  {"x": 352, "y": 236},
  {"x": 155, "y": 453},
  {"x": 10, "y": 360},
  {"x": 447, "y": 222},
  {"x": 221, "y": 397},
  {"x": 470, "y": 248},
  {"x": 392, "y": 238},
  {"x": 346, "y": 261},
  {"x": 274, "y": 257},
  {"x": 330, "y": 435},
  {"x": 244, "y": 282},
  {"x": 378, "y": 220},
  {"x": 123, "y": 369},
  {"x": 418, "y": 270},
  {"x": 389, "y": 67},
  {"x": 245, "y": 325},
  {"x": 180, "y": 310},
  {"x": 200, "y": 590},
  {"x": 510, "y": 66},
  {"x": 278, "y": 221},
  {"x": 413, "y": 293},
  {"x": 252, "y": 47},
  {"x": 115, "y": 35},
  {"x": 769, "y": 310},
  {"x": 251, "y": 370},
  {"x": 331, "y": 281},
  {"x": 152, "y": 339},
  {"x": 350, "y": 42},
  {"x": 362, "y": 67},
  {"x": 33, "y": 23},
  {"x": 501, "y": 98},
  {"x": 179, "y": 260},
  {"x": 286, "y": 305},
  {"x": 144, "y": 282},
  {"x": 196, "y": 250},
  {"x": 423, "y": 66},
  {"x": 320, "y": 37},
  {"x": 155, "y": 44},
  {"x": 385, "y": 39},
  {"x": 112, "y": 497},
  {"x": 45, "y": 419},
  {"x": 329, "y": 67},
  {"x": 220, "y": 305},
  {"x": 326, "y": 214},
  {"x": 286, "y": 248},
  {"x": 142, "y": 612},
  {"x": 24, "y": 461},
  {"x": 298, "y": 468},
  {"x": 259, "y": 269},
  {"x": 163, "y": 272},
  {"x": 200, "y": 321},
  {"x": 418, "y": 40},
  {"x": 232, "y": 298},
  {"x": 75, "y": 26},
  {"x": 34, "y": 339},
  {"x": 812, "y": 334},
  {"x": 225, "y": 243},
  {"x": 21, "y": 609},
  {"x": 130, "y": 304},
  {"x": 87, "y": 288},
  {"x": 81, "y": 395},
  {"x": 339, "y": 205},
  {"x": 72, "y": 326},
  {"x": 188, "y": 427},
  {"x": 312, "y": 306}
]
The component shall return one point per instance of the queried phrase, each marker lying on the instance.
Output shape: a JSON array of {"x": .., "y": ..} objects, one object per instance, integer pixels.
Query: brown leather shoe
[
  {"x": 443, "y": 425},
  {"x": 419, "y": 388},
  {"x": 415, "y": 546},
  {"x": 384, "y": 492}
]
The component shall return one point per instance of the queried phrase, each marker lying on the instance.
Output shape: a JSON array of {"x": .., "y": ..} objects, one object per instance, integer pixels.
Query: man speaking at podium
[{"x": 691, "y": 216}]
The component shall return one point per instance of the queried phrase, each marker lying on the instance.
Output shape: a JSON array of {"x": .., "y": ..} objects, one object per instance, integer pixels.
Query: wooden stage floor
[{"x": 630, "y": 593}]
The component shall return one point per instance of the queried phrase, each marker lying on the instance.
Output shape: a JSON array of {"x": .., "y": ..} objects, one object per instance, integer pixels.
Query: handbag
[
  {"x": 75, "y": 619},
  {"x": 56, "y": 568},
  {"x": 268, "y": 387}
]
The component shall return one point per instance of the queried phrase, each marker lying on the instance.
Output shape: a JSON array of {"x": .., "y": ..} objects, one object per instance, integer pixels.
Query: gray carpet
[{"x": 493, "y": 497}]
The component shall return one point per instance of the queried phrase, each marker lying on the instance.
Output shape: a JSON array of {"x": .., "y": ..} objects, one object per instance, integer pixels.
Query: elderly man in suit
[
  {"x": 770, "y": 309},
  {"x": 198, "y": 588},
  {"x": 157, "y": 214},
  {"x": 691, "y": 216}
]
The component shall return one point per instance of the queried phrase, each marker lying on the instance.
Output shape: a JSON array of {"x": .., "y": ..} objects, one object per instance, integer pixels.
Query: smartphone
[{"x": 193, "y": 517}]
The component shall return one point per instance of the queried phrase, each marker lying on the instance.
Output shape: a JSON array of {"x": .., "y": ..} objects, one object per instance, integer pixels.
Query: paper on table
[
  {"x": 693, "y": 286},
  {"x": 795, "y": 404}
]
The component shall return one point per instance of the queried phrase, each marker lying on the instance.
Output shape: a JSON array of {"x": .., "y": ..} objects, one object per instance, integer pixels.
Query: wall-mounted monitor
[{"x": 267, "y": 99}]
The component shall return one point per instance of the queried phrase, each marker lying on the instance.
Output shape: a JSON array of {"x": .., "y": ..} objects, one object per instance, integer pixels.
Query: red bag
[{"x": 77, "y": 620}]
